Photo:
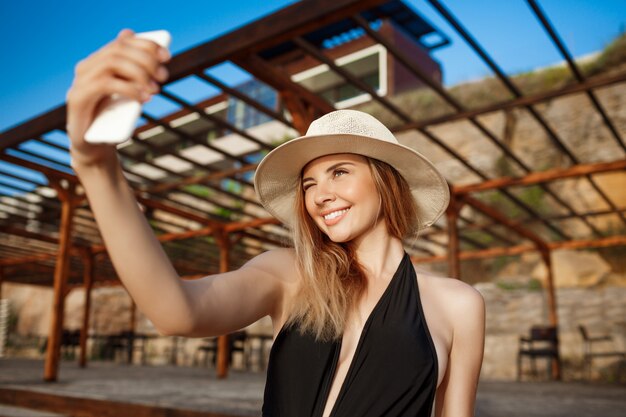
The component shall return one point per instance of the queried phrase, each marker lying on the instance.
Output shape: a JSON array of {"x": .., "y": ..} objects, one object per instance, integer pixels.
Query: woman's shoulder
[
  {"x": 279, "y": 263},
  {"x": 454, "y": 296}
]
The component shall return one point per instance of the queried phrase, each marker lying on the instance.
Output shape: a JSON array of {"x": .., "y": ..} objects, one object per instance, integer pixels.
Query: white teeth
[{"x": 335, "y": 214}]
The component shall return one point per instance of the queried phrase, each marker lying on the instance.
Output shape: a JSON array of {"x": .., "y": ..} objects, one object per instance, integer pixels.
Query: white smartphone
[{"x": 116, "y": 122}]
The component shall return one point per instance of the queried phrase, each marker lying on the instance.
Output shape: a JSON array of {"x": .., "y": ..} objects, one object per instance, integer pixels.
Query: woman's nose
[{"x": 323, "y": 194}]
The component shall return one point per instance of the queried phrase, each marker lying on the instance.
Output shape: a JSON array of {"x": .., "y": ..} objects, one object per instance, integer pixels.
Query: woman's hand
[{"x": 127, "y": 66}]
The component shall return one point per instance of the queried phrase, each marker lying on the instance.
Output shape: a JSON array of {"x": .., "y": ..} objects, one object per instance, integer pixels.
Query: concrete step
[{"x": 11, "y": 411}]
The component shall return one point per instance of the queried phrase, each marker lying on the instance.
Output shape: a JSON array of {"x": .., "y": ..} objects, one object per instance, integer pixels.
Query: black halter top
[{"x": 393, "y": 371}]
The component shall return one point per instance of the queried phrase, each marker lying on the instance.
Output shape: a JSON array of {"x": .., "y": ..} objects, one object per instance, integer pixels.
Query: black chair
[
  {"x": 208, "y": 347},
  {"x": 113, "y": 346},
  {"x": 237, "y": 342},
  {"x": 543, "y": 342},
  {"x": 589, "y": 353},
  {"x": 70, "y": 342}
]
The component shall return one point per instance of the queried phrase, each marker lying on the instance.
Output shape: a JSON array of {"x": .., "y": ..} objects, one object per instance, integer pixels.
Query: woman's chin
[{"x": 339, "y": 236}]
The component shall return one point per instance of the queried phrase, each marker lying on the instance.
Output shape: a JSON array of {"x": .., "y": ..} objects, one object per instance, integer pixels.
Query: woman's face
[{"x": 340, "y": 196}]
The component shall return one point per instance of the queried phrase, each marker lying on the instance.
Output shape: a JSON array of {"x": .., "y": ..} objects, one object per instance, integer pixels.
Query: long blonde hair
[{"x": 332, "y": 280}]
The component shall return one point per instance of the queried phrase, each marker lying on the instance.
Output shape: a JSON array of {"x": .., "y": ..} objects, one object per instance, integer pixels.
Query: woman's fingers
[
  {"x": 136, "y": 60},
  {"x": 127, "y": 66},
  {"x": 148, "y": 55}
]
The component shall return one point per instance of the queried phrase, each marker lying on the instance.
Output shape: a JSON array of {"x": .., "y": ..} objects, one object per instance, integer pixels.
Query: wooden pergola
[{"x": 205, "y": 212}]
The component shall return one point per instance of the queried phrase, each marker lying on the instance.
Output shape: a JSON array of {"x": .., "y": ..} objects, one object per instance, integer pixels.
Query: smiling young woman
[
  {"x": 343, "y": 200},
  {"x": 361, "y": 333},
  {"x": 357, "y": 332}
]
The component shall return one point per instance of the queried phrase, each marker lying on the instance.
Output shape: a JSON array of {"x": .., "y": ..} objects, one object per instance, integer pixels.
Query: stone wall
[{"x": 510, "y": 313}]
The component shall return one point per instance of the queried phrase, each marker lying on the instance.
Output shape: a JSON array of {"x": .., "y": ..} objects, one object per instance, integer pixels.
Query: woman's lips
[{"x": 335, "y": 216}]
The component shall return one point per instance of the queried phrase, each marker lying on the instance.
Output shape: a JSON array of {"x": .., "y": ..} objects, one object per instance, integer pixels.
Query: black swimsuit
[{"x": 393, "y": 372}]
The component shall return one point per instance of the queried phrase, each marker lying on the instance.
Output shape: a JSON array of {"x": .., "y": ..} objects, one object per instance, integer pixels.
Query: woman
[{"x": 358, "y": 332}]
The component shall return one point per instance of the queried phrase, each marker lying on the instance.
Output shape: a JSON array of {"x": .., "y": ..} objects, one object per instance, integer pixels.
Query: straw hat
[{"x": 347, "y": 131}]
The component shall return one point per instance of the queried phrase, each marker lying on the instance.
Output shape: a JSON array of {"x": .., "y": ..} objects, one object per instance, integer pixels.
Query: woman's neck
[{"x": 379, "y": 252}]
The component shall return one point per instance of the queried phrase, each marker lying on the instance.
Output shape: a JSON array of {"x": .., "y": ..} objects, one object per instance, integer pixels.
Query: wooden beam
[
  {"x": 249, "y": 224},
  {"x": 205, "y": 231},
  {"x": 88, "y": 267},
  {"x": 500, "y": 218},
  {"x": 264, "y": 71},
  {"x": 519, "y": 249},
  {"x": 262, "y": 239},
  {"x": 73, "y": 405},
  {"x": 301, "y": 113},
  {"x": 590, "y": 243},
  {"x": 591, "y": 83},
  {"x": 138, "y": 193},
  {"x": 215, "y": 120},
  {"x": 27, "y": 259},
  {"x": 274, "y": 29},
  {"x": 542, "y": 176},
  {"x": 452, "y": 215},
  {"x": 35, "y": 127},
  {"x": 174, "y": 210},
  {"x": 233, "y": 92},
  {"x": 201, "y": 179},
  {"x": 12, "y": 230},
  {"x": 170, "y": 237},
  {"x": 75, "y": 250},
  {"x": 48, "y": 172},
  {"x": 354, "y": 81},
  {"x": 51, "y": 367}
]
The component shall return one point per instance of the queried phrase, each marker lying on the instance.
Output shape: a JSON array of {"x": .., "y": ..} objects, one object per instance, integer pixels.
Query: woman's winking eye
[
  {"x": 336, "y": 172},
  {"x": 339, "y": 172}
]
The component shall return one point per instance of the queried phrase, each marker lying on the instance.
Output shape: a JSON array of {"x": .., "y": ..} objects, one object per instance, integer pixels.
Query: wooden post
[
  {"x": 223, "y": 353},
  {"x": 544, "y": 250},
  {"x": 88, "y": 285},
  {"x": 1, "y": 279},
  {"x": 552, "y": 309},
  {"x": 131, "y": 330},
  {"x": 552, "y": 313},
  {"x": 68, "y": 202},
  {"x": 452, "y": 215}
]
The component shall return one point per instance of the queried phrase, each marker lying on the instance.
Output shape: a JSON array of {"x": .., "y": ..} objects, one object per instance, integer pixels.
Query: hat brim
[{"x": 278, "y": 174}]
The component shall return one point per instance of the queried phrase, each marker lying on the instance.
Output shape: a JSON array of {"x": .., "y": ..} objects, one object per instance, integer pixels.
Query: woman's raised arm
[{"x": 212, "y": 305}]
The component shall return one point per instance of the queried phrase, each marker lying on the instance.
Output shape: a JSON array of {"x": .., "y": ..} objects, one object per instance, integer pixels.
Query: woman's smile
[{"x": 333, "y": 217}]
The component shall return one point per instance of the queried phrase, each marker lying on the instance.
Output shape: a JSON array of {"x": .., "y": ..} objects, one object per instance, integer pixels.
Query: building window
[
  {"x": 244, "y": 116},
  {"x": 368, "y": 65}
]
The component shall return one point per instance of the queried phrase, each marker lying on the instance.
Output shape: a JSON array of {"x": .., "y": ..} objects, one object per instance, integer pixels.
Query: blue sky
[{"x": 43, "y": 40}]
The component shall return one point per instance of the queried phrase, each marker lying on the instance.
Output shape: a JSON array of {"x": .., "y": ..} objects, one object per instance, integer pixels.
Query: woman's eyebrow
[{"x": 329, "y": 169}]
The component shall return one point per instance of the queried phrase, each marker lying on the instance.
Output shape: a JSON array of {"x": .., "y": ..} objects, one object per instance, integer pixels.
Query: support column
[
  {"x": 552, "y": 308},
  {"x": 131, "y": 331},
  {"x": 65, "y": 191},
  {"x": 542, "y": 247},
  {"x": 452, "y": 216},
  {"x": 88, "y": 285},
  {"x": 223, "y": 350}
]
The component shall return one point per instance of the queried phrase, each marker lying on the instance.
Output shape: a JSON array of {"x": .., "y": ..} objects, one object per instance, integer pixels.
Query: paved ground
[{"x": 241, "y": 394}]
